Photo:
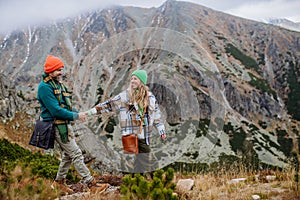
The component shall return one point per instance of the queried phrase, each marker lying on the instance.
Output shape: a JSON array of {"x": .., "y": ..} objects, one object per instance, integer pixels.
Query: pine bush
[{"x": 160, "y": 188}]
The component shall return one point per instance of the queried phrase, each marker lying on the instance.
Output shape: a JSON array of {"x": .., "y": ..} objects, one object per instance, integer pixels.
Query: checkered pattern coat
[{"x": 130, "y": 119}]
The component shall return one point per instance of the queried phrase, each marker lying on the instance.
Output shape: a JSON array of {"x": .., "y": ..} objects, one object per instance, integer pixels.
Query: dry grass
[
  {"x": 209, "y": 186},
  {"x": 23, "y": 186},
  {"x": 212, "y": 186},
  {"x": 215, "y": 186}
]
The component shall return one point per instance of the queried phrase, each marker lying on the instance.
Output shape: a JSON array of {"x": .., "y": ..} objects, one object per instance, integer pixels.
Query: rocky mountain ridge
[{"x": 226, "y": 85}]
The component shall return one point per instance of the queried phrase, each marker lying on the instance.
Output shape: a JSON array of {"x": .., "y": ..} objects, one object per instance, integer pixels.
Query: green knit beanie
[{"x": 141, "y": 74}]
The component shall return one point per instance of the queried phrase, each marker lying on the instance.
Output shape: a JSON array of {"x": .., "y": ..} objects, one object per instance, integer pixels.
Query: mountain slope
[{"x": 226, "y": 85}]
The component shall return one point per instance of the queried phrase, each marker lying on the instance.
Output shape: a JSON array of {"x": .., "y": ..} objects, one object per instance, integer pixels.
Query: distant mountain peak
[{"x": 285, "y": 23}]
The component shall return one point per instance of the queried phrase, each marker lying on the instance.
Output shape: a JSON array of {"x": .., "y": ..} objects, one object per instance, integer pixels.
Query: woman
[{"x": 139, "y": 112}]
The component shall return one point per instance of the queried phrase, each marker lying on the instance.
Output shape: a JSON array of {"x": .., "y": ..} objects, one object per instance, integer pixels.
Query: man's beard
[{"x": 57, "y": 78}]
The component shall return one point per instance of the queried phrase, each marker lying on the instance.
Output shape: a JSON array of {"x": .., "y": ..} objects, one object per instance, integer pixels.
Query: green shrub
[
  {"x": 293, "y": 100},
  {"x": 286, "y": 143},
  {"x": 247, "y": 61},
  {"x": 45, "y": 166},
  {"x": 110, "y": 125},
  {"x": 161, "y": 187},
  {"x": 37, "y": 170},
  {"x": 262, "y": 85}
]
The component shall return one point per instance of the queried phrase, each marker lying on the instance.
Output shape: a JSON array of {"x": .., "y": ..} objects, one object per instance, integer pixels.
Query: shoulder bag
[
  {"x": 130, "y": 144},
  {"x": 43, "y": 135}
]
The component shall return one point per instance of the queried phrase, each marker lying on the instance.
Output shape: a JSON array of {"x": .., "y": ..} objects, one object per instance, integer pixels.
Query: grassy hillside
[
  {"x": 24, "y": 173},
  {"x": 27, "y": 175}
]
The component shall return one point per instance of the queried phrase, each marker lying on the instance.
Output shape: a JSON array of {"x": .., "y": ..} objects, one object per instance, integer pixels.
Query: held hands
[{"x": 82, "y": 116}]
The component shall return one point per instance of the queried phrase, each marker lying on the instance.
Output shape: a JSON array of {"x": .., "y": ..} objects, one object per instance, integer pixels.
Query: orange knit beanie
[{"x": 52, "y": 63}]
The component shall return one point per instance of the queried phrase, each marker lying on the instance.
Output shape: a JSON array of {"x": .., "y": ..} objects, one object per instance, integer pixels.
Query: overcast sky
[{"x": 21, "y": 13}]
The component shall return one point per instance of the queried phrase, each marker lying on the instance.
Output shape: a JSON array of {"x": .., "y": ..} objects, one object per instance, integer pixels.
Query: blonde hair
[{"x": 140, "y": 96}]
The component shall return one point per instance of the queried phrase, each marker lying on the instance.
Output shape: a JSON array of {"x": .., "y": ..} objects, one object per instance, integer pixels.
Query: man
[{"x": 55, "y": 103}]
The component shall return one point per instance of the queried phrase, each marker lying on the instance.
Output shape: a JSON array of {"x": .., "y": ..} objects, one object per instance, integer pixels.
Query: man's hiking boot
[
  {"x": 97, "y": 187},
  {"x": 61, "y": 184}
]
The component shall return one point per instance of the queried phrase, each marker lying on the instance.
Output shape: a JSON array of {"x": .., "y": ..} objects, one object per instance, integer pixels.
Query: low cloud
[
  {"x": 15, "y": 14},
  {"x": 18, "y": 14},
  {"x": 268, "y": 9}
]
